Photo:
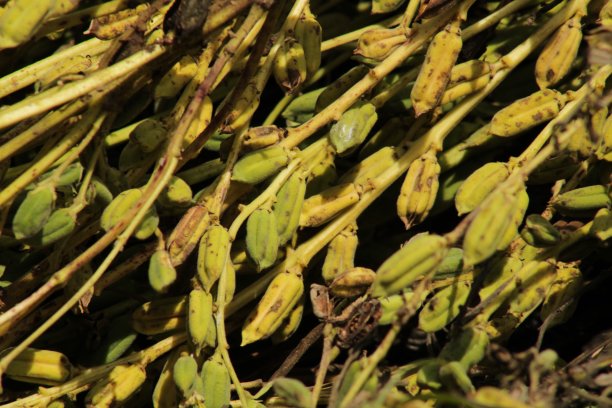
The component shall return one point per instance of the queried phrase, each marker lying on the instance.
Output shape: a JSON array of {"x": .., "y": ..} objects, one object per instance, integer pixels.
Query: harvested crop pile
[{"x": 272, "y": 203}]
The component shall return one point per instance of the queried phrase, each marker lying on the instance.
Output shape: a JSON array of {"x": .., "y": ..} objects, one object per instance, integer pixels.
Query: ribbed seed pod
[
  {"x": 148, "y": 135},
  {"x": 340, "y": 253},
  {"x": 257, "y": 166},
  {"x": 419, "y": 190},
  {"x": 243, "y": 110},
  {"x": 60, "y": 224},
  {"x": 199, "y": 122},
  {"x": 176, "y": 78},
  {"x": 353, "y": 127},
  {"x": 561, "y": 298},
  {"x": 322, "y": 173},
  {"x": 378, "y": 43},
  {"x": 521, "y": 204},
  {"x": 444, "y": 306},
  {"x": 262, "y": 237},
  {"x": 161, "y": 272},
  {"x": 418, "y": 258},
  {"x": 176, "y": 194},
  {"x": 584, "y": 199},
  {"x": 353, "y": 282},
  {"x": 36, "y": 366},
  {"x": 337, "y": 88},
  {"x": 528, "y": 294},
  {"x": 451, "y": 265},
  {"x": 288, "y": 206},
  {"x": 453, "y": 93},
  {"x": 261, "y": 137},
  {"x": 282, "y": 295},
  {"x": 291, "y": 323},
  {"x": 468, "y": 348},
  {"x": 468, "y": 71},
  {"x": 217, "y": 382},
  {"x": 199, "y": 316},
  {"x": 557, "y": 57},
  {"x": 487, "y": 229},
  {"x": 20, "y": 20},
  {"x": 160, "y": 316},
  {"x": 122, "y": 204},
  {"x": 527, "y": 112},
  {"x": 308, "y": 33},
  {"x": 290, "y": 66},
  {"x": 212, "y": 255},
  {"x": 539, "y": 232},
  {"x": 391, "y": 305},
  {"x": 33, "y": 212},
  {"x": 478, "y": 186},
  {"x": 165, "y": 394},
  {"x": 120, "y": 384},
  {"x": 370, "y": 167},
  {"x": 322, "y": 207},
  {"x": 435, "y": 73},
  {"x": 184, "y": 373}
]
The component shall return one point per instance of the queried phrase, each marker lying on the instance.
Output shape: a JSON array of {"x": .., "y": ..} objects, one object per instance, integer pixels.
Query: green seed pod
[
  {"x": 262, "y": 238},
  {"x": 539, "y": 232},
  {"x": 583, "y": 200},
  {"x": 199, "y": 316},
  {"x": 176, "y": 194},
  {"x": 161, "y": 272},
  {"x": 217, "y": 383},
  {"x": 60, "y": 224},
  {"x": 131, "y": 157},
  {"x": 257, "y": 166},
  {"x": 454, "y": 375},
  {"x": 479, "y": 184},
  {"x": 293, "y": 392},
  {"x": 288, "y": 206},
  {"x": 353, "y": 127},
  {"x": 33, "y": 212},
  {"x": 302, "y": 108},
  {"x": 489, "y": 227},
  {"x": 122, "y": 204},
  {"x": 522, "y": 202},
  {"x": 444, "y": 306},
  {"x": 116, "y": 341},
  {"x": 418, "y": 258},
  {"x": 212, "y": 255},
  {"x": 184, "y": 373},
  {"x": 70, "y": 176},
  {"x": 468, "y": 348},
  {"x": 176, "y": 78},
  {"x": 391, "y": 305},
  {"x": 451, "y": 265},
  {"x": 103, "y": 194},
  {"x": 148, "y": 135},
  {"x": 353, "y": 282}
]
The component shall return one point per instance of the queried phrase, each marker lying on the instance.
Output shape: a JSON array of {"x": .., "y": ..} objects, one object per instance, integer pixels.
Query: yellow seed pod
[
  {"x": 290, "y": 65},
  {"x": 527, "y": 112},
  {"x": 199, "y": 316},
  {"x": 308, "y": 33},
  {"x": 496, "y": 397},
  {"x": 36, "y": 366},
  {"x": 340, "y": 253},
  {"x": 160, "y": 316},
  {"x": 120, "y": 384},
  {"x": 165, "y": 393},
  {"x": 468, "y": 71},
  {"x": 290, "y": 324},
  {"x": 216, "y": 382},
  {"x": 148, "y": 135},
  {"x": 212, "y": 255},
  {"x": 257, "y": 166},
  {"x": 114, "y": 25},
  {"x": 557, "y": 57},
  {"x": 20, "y": 19},
  {"x": 435, "y": 72},
  {"x": 489, "y": 227},
  {"x": 177, "y": 193},
  {"x": 199, "y": 122},
  {"x": 353, "y": 282},
  {"x": 522, "y": 202},
  {"x": 260, "y": 137},
  {"x": 378, "y": 43},
  {"x": 602, "y": 225},
  {"x": 528, "y": 294},
  {"x": 161, "y": 271},
  {"x": 245, "y": 106},
  {"x": 368, "y": 169},
  {"x": 176, "y": 78},
  {"x": 419, "y": 190},
  {"x": 561, "y": 298},
  {"x": 322, "y": 207},
  {"x": 453, "y": 93},
  {"x": 282, "y": 295},
  {"x": 288, "y": 206},
  {"x": 479, "y": 184}
]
